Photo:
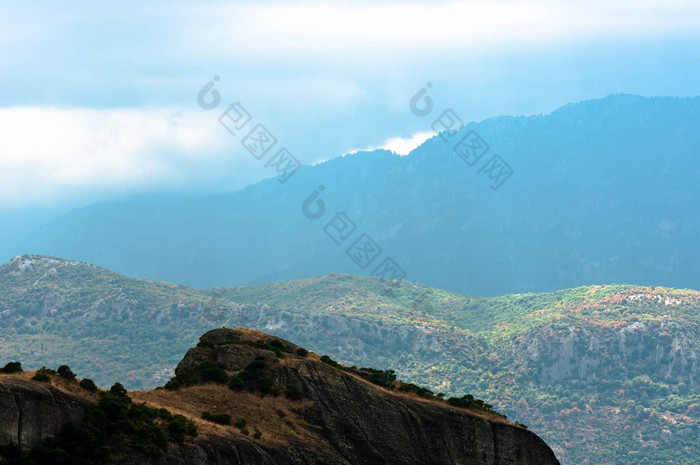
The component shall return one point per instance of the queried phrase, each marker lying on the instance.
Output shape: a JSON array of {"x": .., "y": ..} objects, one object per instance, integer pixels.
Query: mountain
[
  {"x": 605, "y": 373},
  {"x": 303, "y": 409},
  {"x": 602, "y": 191}
]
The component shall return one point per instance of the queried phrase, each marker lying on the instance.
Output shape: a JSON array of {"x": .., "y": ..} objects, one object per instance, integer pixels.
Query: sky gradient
[{"x": 99, "y": 100}]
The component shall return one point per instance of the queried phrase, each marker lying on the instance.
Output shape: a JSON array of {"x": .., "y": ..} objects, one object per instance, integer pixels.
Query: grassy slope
[{"x": 530, "y": 355}]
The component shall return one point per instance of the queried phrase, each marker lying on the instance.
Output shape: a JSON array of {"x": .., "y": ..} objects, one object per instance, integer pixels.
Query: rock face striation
[
  {"x": 342, "y": 418},
  {"x": 30, "y": 412}
]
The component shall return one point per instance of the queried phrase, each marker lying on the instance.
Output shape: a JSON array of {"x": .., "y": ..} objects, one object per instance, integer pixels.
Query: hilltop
[{"x": 247, "y": 398}]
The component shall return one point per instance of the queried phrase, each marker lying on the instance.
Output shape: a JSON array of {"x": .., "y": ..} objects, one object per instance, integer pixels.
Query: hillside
[
  {"x": 590, "y": 202},
  {"x": 598, "y": 372},
  {"x": 283, "y": 405}
]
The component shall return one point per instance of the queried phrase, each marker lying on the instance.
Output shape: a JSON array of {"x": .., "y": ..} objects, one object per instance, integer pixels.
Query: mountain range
[
  {"x": 604, "y": 373},
  {"x": 600, "y": 191}
]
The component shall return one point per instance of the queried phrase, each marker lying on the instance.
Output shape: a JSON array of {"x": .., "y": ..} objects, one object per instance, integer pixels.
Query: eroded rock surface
[{"x": 31, "y": 412}]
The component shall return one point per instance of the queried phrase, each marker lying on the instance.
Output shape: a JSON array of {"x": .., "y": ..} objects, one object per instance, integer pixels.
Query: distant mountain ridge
[
  {"x": 600, "y": 372},
  {"x": 603, "y": 191}
]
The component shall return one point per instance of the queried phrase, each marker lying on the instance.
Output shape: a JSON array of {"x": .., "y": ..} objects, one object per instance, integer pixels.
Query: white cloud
[
  {"x": 404, "y": 146},
  {"x": 48, "y": 152},
  {"x": 400, "y": 145},
  {"x": 379, "y": 30}
]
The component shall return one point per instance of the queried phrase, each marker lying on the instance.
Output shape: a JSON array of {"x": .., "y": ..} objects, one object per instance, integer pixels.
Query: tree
[
  {"x": 12, "y": 367},
  {"x": 64, "y": 371},
  {"x": 88, "y": 385}
]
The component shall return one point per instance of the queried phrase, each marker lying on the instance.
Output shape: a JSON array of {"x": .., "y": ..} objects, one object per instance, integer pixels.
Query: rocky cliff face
[
  {"x": 339, "y": 418},
  {"x": 30, "y": 412},
  {"x": 350, "y": 421},
  {"x": 557, "y": 352}
]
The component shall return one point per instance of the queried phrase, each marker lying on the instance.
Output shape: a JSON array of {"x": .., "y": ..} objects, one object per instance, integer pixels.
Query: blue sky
[{"x": 98, "y": 99}]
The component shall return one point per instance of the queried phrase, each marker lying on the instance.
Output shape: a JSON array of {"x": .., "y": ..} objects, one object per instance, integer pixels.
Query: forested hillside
[
  {"x": 593, "y": 370},
  {"x": 602, "y": 191}
]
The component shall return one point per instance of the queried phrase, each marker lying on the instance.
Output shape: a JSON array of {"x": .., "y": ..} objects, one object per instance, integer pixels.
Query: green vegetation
[
  {"x": 555, "y": 361},
  {"x": 208, "y": 371},
  {"x": 12, "y": 367},
  {"x": 65, "y": 372},
  {"x": 42, "y": 375},
  {"x": 301, "y": 352},
  {"x": 88, "y": 385},
  {"x": 274, "y": 345},
  {"x": 220, "y": 418},
  {"x": 253, "y": 379},
  {"x": 293, "y": 393},
  {"x": 387, "y": 379},
  {"x": 114, "y": 426}
]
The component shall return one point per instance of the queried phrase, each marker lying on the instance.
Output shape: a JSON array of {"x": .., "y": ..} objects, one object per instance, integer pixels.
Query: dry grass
[
  {"x": 70, "y": 387},
  {"x": 278, "y": 419},
  {"x": 416, "y": 398},
  {"x": 274, "y": 417}
]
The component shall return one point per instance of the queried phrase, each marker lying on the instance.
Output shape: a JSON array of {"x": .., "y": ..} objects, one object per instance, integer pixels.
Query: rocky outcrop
[
  {"x": 356, "y": 422},
  {"x": 342, "y": 418},
  {"x": 366, "y": 425},
  {"x": 31, "y": 412},
  {"x": 225, "y": 346}
]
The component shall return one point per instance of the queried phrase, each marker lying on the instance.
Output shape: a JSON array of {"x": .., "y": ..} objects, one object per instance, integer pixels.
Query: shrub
[
  {"x": 41, "y": 377},
  {"x": 114, "y": 426},
  {"x": 278, "y": 344},
  {"x": 252, "y": 378},
  {"x": 12, "y": 367},
  {"x": 258, "y": 434},
  {"x": 302, "y": 352},
  {"x": 208, "y": 371},
  {"x": 88, "y": 385},
  {"x": 420, "y": 391},
  {"x": 172, "y": 385},
  {"x": 64, "y": 371},
  {"x": 221, "y": 418},
  {"x": 164, "y": 414},
  {"x": 211, "y": 371},
  {"x": 293, "y": 393},
  {"x": 384, "y": 378},
  {"x": 329, "y": 361},
  {"x": 240, "y": 423},
  {"x": 180, "y": 427},
  {"x": 118, "y": 390}
]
